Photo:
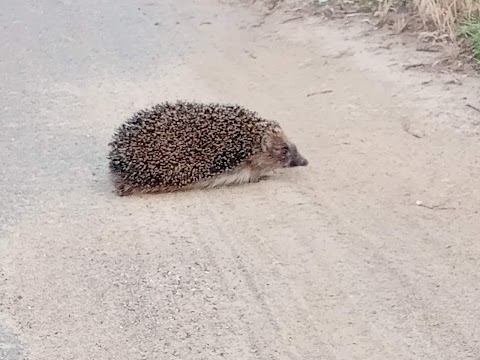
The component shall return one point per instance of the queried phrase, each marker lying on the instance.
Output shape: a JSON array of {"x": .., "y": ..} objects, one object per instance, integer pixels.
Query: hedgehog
[{"x": 184, "y": 145}]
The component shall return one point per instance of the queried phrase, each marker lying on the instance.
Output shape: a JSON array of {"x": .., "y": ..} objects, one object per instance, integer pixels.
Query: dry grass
[
  {"x": 454, "y": 25},
  {"x": 451, "y": 27},
  {"x": 446, "y": 15},
  {"x": 441, "y": 16}
]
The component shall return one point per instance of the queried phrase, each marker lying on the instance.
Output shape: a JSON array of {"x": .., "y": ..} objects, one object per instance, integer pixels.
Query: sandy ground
[{"x": 371, "y": 252}]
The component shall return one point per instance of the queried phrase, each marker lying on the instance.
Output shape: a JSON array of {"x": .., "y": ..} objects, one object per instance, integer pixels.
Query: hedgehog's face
[
  {"x": 288, "y": 156},
  {"x": 281, "y": 151}
]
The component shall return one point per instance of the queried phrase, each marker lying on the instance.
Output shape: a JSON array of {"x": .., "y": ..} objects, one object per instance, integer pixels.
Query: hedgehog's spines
[{"x": 174, "y": 145}]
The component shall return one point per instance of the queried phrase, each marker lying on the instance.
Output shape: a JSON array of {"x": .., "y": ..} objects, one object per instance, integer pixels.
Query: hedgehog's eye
[{"x": 285, "y": 150}]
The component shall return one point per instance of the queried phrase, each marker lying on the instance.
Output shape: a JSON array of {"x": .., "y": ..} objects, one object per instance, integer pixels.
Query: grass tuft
[
  {"x": 471, "y": 30},
  {"x": 447, "y": 15}
]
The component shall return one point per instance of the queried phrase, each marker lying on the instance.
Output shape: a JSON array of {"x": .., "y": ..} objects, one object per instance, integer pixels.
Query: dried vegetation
[{"x": 453, "y": 25}]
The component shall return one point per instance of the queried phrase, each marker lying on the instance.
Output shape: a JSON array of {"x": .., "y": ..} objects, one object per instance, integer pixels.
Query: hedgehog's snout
[{"x": 298, "y": 160}]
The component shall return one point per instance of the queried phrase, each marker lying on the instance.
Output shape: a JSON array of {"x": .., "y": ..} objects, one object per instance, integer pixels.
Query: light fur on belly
[
  {"x": 241, "y": 175},
  {"x": 236, "y": 177}
]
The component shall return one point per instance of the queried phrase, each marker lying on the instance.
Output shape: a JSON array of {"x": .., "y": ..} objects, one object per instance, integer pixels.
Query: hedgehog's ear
[{"x": 267, "y": 142}]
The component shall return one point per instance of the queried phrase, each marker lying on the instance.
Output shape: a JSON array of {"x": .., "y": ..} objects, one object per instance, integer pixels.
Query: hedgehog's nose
[
  {"x": 303, "y": 162},
  {"x": 299, "y": 161}
]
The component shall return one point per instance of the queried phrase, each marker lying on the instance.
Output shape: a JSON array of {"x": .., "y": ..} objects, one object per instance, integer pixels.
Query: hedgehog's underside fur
[{"x": 179, "y": 145}]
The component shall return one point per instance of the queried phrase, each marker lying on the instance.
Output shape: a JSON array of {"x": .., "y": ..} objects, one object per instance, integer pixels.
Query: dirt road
[{"x": 372, "y": 252}]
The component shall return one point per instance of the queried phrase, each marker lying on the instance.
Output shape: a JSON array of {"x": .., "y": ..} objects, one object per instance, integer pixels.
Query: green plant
[{"x": 471, "y": 30}]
